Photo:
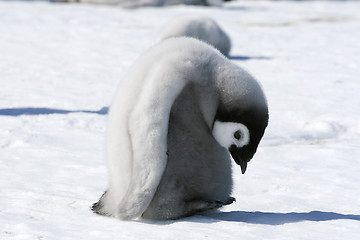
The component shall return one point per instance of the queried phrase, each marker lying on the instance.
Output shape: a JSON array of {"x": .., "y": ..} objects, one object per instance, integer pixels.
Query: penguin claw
[
  {"x": 230, "y": 201},
  {"x": 218, "y": 204}
]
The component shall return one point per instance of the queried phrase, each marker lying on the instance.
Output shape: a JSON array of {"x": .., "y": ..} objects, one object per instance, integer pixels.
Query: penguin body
[
  {"x": 167, "y": 157},
  {"x": 199, "y": 27},
  {"x": 195, "y": 178}
]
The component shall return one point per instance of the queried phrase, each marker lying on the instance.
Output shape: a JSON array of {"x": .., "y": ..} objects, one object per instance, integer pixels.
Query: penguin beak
[
  {"x": 243, "y": 165},
  {"x": 235, "y": 153}
]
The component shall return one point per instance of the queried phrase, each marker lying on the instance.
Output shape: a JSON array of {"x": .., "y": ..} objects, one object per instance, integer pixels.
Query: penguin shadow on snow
[
  {"x": 265, "y": 218},
  {"x": 14, "y": 112},
  {"x": 243, "y": 8},
  {"x": 246, "y": 58},
  {"x": 272, "y": 218}
]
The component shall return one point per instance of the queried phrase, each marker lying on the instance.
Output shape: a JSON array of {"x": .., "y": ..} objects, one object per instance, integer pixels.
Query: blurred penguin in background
[{"x": 199, "y": 27}]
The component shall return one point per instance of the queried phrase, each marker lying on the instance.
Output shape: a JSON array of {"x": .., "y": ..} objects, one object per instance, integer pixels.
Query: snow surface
[{"x": 59, "y": 68}]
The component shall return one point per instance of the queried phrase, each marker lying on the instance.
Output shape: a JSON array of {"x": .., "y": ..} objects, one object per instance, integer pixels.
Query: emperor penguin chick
[
  {"x": 177, "y": 118},
  {"x": 199, "y": 27}
]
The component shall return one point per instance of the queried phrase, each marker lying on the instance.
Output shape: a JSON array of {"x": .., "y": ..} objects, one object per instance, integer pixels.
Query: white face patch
[{"x": 231, "y": 133}]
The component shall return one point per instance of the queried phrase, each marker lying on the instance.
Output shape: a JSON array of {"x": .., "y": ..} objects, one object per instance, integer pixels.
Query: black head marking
[{"x": 256, "y": 120}]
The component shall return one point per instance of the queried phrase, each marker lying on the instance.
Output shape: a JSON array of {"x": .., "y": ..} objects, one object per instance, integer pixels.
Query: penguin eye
[{"x": 237, "y": 135}]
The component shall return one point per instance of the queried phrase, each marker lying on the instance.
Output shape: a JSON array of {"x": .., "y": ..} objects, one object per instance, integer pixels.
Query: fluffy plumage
[
  {"x": 163, "y": 160},
  {"x": 199, "y": 27}
]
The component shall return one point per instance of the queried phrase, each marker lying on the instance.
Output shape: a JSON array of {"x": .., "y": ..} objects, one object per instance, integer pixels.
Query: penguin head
[
  {"x": 241, "y": 138},
  {"x": 241, "y": 119}
]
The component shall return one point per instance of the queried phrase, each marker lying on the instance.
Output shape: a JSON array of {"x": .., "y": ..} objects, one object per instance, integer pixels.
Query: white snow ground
[{"x": 59, "y": 60}]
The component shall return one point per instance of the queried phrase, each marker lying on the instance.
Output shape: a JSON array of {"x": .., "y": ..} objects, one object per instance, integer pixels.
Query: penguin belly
[{"x": 198, "y": 171}]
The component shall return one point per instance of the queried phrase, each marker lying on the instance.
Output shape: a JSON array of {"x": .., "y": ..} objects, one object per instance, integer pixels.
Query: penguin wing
[{"x": 147, "y": 129}]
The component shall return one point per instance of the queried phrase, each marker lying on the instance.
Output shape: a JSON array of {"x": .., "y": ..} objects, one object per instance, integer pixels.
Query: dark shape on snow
[
  {"x": 46, "y": 111},
  {"x": 272, "y": 218},
  {"x": 245, "y": 58}
]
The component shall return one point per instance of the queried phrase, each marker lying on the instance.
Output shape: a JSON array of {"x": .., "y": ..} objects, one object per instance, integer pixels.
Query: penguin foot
[
  {"x": 199, "y": 206},
  {"x": 230, "y": 201},
  {"x": 96, "y": 207},
  {"x": 183, "y": 209},
  {"x": 218, "y": 204},
  {"x": 99, "y": 208},
  {"x": 214, "y": 204}
]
